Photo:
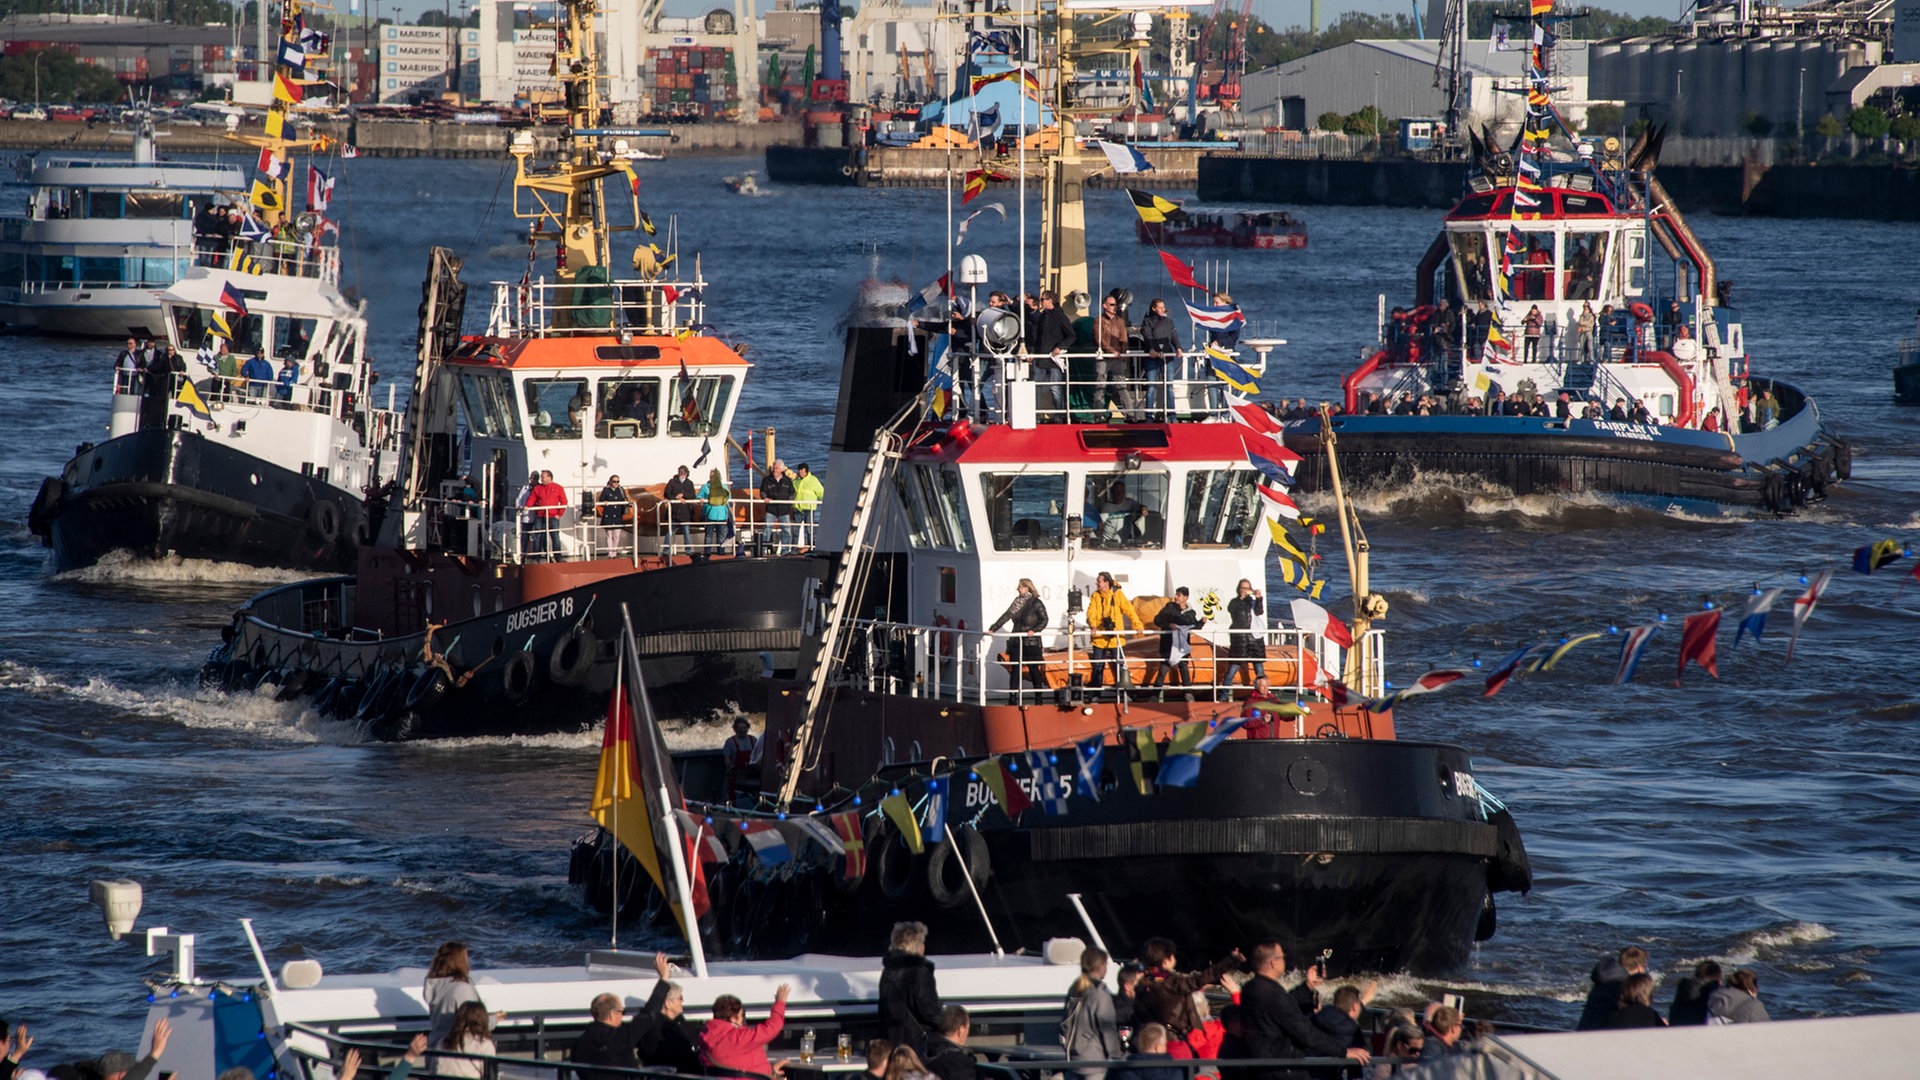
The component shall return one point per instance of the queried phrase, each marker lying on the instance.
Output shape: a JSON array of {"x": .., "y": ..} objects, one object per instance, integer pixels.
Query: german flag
[{"x": 1153, "y": 209}]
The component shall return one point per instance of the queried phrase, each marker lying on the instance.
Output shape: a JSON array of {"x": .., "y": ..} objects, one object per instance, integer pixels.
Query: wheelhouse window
[
  {"x": 936, "y": 512},
  {"x": 1586, "y": 264},
  {"x": 1470, "y": 264},
  {"x": 104, "y": 204},
  {"x": 489, "y": 406},
  {"x": 249, "y": 332},
  {"x": 191, "y": 322},
  {"x": 698, "y": 404},
  {"x": 1533, "y": 273},
  {"x": 557, "y": 407},
  {"x": 1126, "y": 509},
  {"x": 1223, "y": 508},
  {"x": 153, "y": 204},
  {"x": 950, "y": 499},
  {"x": 1026, "y": 511},
  {"x": 291, "y": 337},
  {"x": 627, "y": 409}
]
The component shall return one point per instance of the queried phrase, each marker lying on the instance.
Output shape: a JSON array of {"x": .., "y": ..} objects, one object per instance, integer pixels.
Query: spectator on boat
[
  {"x": 1340, "y": 1017},
  {"x": 1126, "y": 1003},
  {"x": 1619, "y": 411},
  {"x": 1479, "y": 325},
  {"x": 807, "y": 495},
  {"x": 449, "y": 985},
  {"x": 1028, "y": 615},
  {"x": 1671, "y": 320},
  {"x": 1274, "y": 1023},
  {"x": 1767, "y": 409},
  {"x": 471, "y": 1034},
  {"x": 1401, "y": 1041},
  {"x": 1443, "y": 1033},
  {"x": 947, "y": 1055},
  {"x": 546, "y": 502},
  {"x": 909, "y": 998},
  {"x": 741, "y": 752},
  {"x": 878, "y": 1052},
  {"x": 659, "y": 1038},
  {"x": 728, "y": 1047},
  {"x": 1475, "y": 407},
  {"x": 1637, "y": 413},
  {"x": 1530, "y": 328},
  {"x": 1405, "y": 406},
  {"x": 1712, "y": 421},
  {"x": 1122, "y": 519},
  {"x": 1583, "y": 333},
  {"x": 1246, "y": 647},
  {"x": 257, "y": 374},
  {"x": 1160, "y": 337},
  {"x": 904, "y": 1064},
  {"x": 1090, "y": 1030},
  {"x": 129, "y": 358},
  {"x": 1150, "y": 1044},
  {"x": 226, "y": 368},
  {"x": 1690, "y": 997},
  {"x": 1738, "y": 1002},
  {"x": 778, "y": 490},
  {"x": 1052, "y": 337},
  {"x": 284, "y": 383},
  {"x": 1109, "y": 615},
  {"x": 1203, "y": 1042},
  {"x": 614, "y": 505},
  {"x": 1176, "y": 621},
  {"x": 1609, "y": 978},
  {"x": 1563, "y": 406},
  {"x": 1166, "y": 995},
  {"x": 716, "y": 501},
  {"x": 1634, "y": 1008},
  {"x": 679, "y": 495}
]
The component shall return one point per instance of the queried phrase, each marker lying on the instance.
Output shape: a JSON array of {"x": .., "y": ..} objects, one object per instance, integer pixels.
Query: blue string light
[
  {"x": 1613, "y": 629},
  {"x": 1053, "y": 759},
  {"x": 856, "y": 800},
  {"x": 1476, "y": 661},
  {"x": 783, "y": 815},
  {"x": 1706, "y": 605},
  {"x": 1013, "y": 766},
  {"x": 1803, "y": 579},
  {"x": 1663, "y": 616}
]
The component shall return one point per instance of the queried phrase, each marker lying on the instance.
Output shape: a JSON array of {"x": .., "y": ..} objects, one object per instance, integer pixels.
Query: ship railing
[
  {"x": 542, "y": 308},
  {"x": 1090, "y": 388},
  {"x": 1909, "y": 349},
  {"x": 291, "y": 258},
  {"x": 640, "y": 527},
  {"x": 970, "y": 666},
  {"x": 320, "y": 607}
]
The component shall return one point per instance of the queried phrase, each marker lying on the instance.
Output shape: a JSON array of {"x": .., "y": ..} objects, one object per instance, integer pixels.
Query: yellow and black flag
[
  {"x": 1153, "y": 209},
  {"x": 265, "y": 197}
]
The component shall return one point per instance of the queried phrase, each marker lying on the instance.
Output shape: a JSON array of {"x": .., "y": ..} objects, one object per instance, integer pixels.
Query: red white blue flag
[
  {"x": 1754, "y": 619},
  {"x": 767, "y": 842},
  {"x": 1630, "y": 650}
]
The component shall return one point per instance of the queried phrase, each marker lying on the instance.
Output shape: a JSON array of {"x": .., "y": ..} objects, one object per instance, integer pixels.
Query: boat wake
[
  {"x": 1451, "y": 499},
  {"x": 120, "y": 568}
]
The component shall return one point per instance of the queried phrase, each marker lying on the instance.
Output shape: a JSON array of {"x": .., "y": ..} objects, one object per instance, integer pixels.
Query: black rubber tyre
[{"x": 572, "y": 658}]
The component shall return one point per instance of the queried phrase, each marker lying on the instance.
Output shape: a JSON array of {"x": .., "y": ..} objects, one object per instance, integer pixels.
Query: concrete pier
[{"x": 393, "y": 138}]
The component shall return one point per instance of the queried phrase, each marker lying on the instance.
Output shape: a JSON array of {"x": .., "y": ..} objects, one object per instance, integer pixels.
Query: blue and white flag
[
  {"x": 817, "y": 830},
  {"x": 1046, "y": 783},
  {"x": 1630, "y": 650},
  {"x": 292, "y": 56},
  {"x": 1754, "y": 619},
  {"x": 1125, "y": 159},
  {"x": 934, "y": 826},
  {"x": 768, "y": 843},
  {"x": 253, "y": 230},
  {"x": 1088, "y": 756}
]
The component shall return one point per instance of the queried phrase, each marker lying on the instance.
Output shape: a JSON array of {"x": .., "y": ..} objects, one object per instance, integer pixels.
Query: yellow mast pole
[{"x": 1367, "y": 605}]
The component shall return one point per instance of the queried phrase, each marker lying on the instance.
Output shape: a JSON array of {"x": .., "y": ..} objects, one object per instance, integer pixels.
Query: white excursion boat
[{"x": 102, "y": 237}]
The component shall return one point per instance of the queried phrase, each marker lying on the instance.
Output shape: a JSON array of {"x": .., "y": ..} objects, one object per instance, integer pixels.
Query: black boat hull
[
  {"x": 708, "y": 634},
  {"x": 159, "y": 492},
  {"x": 1377, "y": 850},
  {"x": 836, "y": 166}
]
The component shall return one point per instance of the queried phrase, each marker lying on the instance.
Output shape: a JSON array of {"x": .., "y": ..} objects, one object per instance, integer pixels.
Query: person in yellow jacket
[{"x": 1109, "y": 613}]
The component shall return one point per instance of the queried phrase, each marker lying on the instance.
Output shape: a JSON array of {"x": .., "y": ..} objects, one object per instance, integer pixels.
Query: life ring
[
  {"x": 428, "y": 690},
  {"x": 572, "y": 657},
  {"x": 847, "y": 170},
  {"x": 945, "y": 884},
  {"x": 323, "y": 517},
  {"x": 895, "y": 869},
  {"x": 943, "y": 639},
  {"x": 1641, "y": 311},
  {"x": 516, "y": 677}
]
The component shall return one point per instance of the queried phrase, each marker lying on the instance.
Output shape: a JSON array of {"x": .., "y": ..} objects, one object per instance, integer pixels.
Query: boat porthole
[
  {"x": 1307, "y": 775},
  {"x": 1446, "y": 780},
  {"x": 426, "y": 601},
  {"x": 476, "y": 601},
  {"x": 254, "y": 479}
]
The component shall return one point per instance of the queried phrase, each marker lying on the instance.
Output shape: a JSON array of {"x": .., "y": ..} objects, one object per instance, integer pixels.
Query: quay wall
[
  {"x": 897, "y": 166},
  {"x": 1873, "y": 192},
  {"x": 395, "y": 138}
]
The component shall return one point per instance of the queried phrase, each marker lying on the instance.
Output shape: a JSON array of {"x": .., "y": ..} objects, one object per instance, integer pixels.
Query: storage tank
[{"x": 1604, "y": 69}]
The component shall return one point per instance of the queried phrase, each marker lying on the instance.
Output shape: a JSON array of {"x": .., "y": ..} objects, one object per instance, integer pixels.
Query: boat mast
[
  {"x": 272, "y": 196},
  {"x": 1368, "y": 606},
  {"x": 1063, "y": 216}
]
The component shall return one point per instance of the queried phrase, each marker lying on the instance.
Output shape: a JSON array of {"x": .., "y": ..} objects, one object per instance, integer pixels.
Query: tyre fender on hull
[
  {"x": 573, "y": 656},
  {"x": 1843, "y": 460},
  {"x": 1489, "y": 920},
  {"x": 323, "y": 517},
  {"x": 428, "y": 690},
  {"x": 896, "y": 869},
  {"x": 945, "y": 883},
  {"x": 516, "y": 677},
  {"x": 46, "y": 507},
  {"x": 1509, "y": 870}
]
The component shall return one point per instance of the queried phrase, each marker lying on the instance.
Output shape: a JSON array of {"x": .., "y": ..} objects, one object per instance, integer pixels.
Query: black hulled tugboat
[
  {"x": 532, "y": 503},
  {"x": 932, "y": 751}
]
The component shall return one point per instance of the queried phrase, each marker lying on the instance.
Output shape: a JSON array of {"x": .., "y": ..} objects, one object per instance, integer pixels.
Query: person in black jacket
[
  {"x": 777, "y": 490},
  {"x": 1052, "y": 336},
  {"x": 947, "y": 1054},
  {"x": 1609, "y": 978},
  {"x": 607, "y": 1041},
  {"x": 1152, "y": 1043},
  {"x": 1246, "y": 650},
  {"x": 1274, "y": 1024},
  {"x": 1028, "y": 614},
  {"x": 1160, "y": 338},
  {"x": 909, "y": 1000},
  {"x": 1174, "y": 621},
  {"x": 1690, "y": 997},
  {"x": 660, "y": 1038},
  {"x": 1634, "y": 1009}
]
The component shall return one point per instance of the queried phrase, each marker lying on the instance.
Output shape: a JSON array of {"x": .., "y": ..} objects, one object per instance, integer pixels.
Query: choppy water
[{"x": 1765, "y": 819}]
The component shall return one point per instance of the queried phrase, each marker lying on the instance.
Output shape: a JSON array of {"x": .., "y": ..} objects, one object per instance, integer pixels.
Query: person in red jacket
[
  {"x": 545, "y": 503},
  {"x": 728, "y": 1047}
]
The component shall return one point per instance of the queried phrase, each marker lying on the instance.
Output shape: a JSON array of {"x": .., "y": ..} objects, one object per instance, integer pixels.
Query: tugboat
[
  {"x": 267, "y": 468},
  {"x": 1906, "y": 374},
  {"x": 922, "y": 732},
  {"x": 101, "y": 238},
  {"x": 1257, "y": 230},
  {"x": 531, "y": 503},
  {"x": 1570, "y": 334}
]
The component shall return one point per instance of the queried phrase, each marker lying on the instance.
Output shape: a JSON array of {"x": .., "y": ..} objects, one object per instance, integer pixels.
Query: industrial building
[
  {"x": 1397, "y": 77},
  {"x": 1741, "y": 62}
]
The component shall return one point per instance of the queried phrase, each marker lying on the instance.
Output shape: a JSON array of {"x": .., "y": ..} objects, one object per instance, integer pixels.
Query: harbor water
[{"x": 1766, "y": 818}]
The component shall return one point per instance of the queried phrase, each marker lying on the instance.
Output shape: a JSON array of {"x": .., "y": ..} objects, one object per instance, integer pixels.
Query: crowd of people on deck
[
  {"x": 220, "y": 228},
  {"x": 1159, "y": 1024}
]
